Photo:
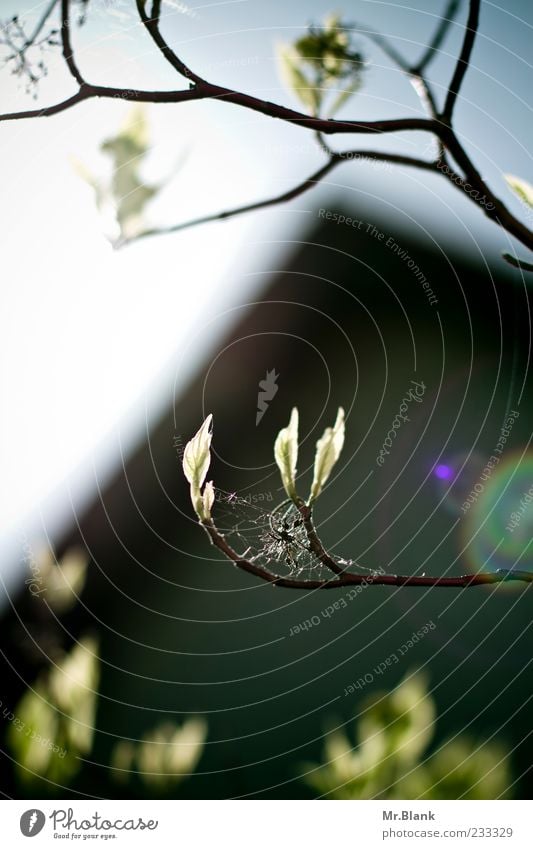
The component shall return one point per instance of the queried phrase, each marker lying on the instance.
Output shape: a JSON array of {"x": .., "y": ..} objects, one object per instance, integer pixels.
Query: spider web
[{"x": 273, "y": 538}]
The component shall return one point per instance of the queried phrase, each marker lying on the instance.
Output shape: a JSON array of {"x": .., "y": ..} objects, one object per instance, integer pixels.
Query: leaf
[
  {"x": 328, "y": 449},
  {"x": 286, "y": 454},
  {"x": 128, "y": 150},
  {"x": 343, "y": 97},
  {"x": 520, "y": 187},
  {"x": 296, "y": 80},
  {"x": 208, "y": 499},
  {"x": 197, "y": 455}
]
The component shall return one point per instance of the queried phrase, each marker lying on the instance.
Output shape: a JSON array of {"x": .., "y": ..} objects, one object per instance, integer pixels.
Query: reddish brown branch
[
  {"x": 350, "y": 579},
  {"x": 66, "y": 45}
]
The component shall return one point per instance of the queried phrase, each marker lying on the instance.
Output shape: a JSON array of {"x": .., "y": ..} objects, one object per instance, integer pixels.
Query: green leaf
[
  {"x": 128, "y": 192},
  {"x": 328, "y": 450},
  {"x": 208, "y": 499},
  {"x": 343, "y": 97},
  {"x": 197, "y": 455},
  {"x": 295, "y": 79},
  {"x": 286, "y": 454},
  {"x": 520, "y": 187}
]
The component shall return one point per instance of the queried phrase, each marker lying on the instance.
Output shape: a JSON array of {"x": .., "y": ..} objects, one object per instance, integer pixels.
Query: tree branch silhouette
[{"x": 438, "y": 123}]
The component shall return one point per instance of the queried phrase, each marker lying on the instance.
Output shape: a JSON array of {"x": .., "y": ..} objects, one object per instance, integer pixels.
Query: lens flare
[
  {"x": 454, "y": 479},
  {"x": 498, "y": 523}
]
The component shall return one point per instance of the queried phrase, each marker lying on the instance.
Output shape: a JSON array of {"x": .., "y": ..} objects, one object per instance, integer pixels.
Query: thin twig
[
  {"x": 416, "y": 72},
  {"x": 463, "y": 60},
  {"x": 518, "y": 263},
  {"x": 66, "y": 43},
  {"x": 151, "y": 25},
  {"x": 447, "y": 18},
  {"x": 40, "y": 23},
  {"x": 284, "y": 197}
]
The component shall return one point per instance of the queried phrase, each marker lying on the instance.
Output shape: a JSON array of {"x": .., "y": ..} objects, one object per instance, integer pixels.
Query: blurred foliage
[
  {"x": 123, "y": 197},
  {"x": 322, "y": 67},
  {"x": 524, "y": 191},
  {"x": 521, "y": 188},
  {"x": 59, "y": 583},
  {"x": 389, "y": 760},
  {"x": 53, "y": 723},
  {"x": 165, "y": 756}
]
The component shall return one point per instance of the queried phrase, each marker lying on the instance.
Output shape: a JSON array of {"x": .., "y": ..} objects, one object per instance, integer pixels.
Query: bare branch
[
  {"x": 438, "y": 125},
  {"x": 415, "y": 72},
  {"x": 66, "y": 43},
  {"x": 300, "y": 189},
  {"x": 41, "y": 22},
  {"x": 46, "y": 111},
  {"x": 89, "y": 91},
  {"x": 482, "y": 195},
  {"x": 152, "y": 26},
  {"x": 463, "y": 60},
  {"x": 436, "y": 42},
  {"x": 518, "y": 263}
]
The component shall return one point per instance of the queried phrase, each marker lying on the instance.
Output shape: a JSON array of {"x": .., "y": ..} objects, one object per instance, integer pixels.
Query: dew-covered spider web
[{"x": 272, "y": 536}]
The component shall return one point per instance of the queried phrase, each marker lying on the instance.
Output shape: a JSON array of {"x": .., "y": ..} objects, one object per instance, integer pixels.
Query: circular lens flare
[{"x": 498, "y": 523}]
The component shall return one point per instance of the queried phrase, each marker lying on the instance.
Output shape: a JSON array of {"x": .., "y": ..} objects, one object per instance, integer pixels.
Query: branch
[
  {"x": 518, "y": 263},
  {"x": 46, "y": 111},
  {"x": 447, "y": 18},
  {"x": 415, "y": 72},
  {"x": 203, "y": 90},
  {"x": 438, "y": 125},
  {"x": 41, "y": 22},
  {"x": 350, "y": 579},
  {"x": 66, "y": 44},
  {"x": 463, "y": 60},
  {"x": 88, "y": 91},
  {"x": 335, "y": 159},
  {"x": 265, "y": 107},
  {"x": 494, "y": 209},
  {"x": 152, "y": 27}
]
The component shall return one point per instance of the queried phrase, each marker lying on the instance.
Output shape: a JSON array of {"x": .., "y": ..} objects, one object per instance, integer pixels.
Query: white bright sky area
[{"x": 90, "y": 338}]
